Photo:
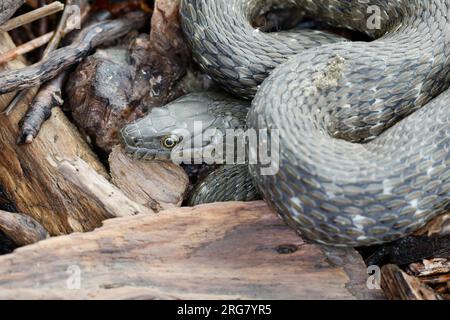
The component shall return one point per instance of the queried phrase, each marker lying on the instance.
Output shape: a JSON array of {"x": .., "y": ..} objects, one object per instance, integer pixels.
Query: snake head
[{"x": 182, "y": 130}]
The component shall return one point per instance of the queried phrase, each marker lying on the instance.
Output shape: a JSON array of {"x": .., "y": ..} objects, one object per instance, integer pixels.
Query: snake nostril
[{"x": 286, "y": 248}]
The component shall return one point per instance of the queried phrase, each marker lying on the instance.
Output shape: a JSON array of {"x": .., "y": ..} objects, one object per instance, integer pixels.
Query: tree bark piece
[
  {"x": 156, "y": 185},
  {"x": 21, "y": 229},
  {"x": 100, "y": 90},
  {"x": 8, "y": 8},
  {"x": 65, "y": 57},
  {"x": 41, "y": 180},
  {"x": 218, "y": 251},
  {"x": 397, "y": 285}
]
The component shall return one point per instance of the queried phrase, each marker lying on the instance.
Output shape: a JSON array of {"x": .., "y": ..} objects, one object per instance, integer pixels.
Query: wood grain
[
  {"x": 156, "y": 185},
  {"x": 217, "y": 251}
]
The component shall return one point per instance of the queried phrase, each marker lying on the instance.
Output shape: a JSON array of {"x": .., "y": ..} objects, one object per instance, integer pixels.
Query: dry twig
[
  {"x": 31, "y": 16},
  {"x": 26, "y": 47}
]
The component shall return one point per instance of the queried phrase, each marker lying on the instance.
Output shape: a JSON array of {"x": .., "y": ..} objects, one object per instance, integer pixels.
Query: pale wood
[
  {"x": 217, "y": 251},
  {"x": 156, "y": 185},
  {"x": 42, "y": 180}
]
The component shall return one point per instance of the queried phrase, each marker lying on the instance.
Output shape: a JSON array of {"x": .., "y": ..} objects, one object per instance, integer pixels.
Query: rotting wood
[
  {"x": 397, "y": 285},
  {"x": 217, "y": 251},
  {"x": 430, "y": 267},
  {"x": 42, "y": 180}
]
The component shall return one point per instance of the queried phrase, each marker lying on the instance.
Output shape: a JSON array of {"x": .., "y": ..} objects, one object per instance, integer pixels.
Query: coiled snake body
[{"x": 364, "y": 126}]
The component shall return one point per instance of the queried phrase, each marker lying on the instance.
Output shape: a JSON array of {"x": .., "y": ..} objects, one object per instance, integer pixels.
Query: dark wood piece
[{"x": 48, "y": 97}]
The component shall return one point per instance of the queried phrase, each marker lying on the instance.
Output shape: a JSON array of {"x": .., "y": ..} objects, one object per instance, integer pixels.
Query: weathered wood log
[
  {"x": 65, "y": 57},
  {"x": 8, "y": 8},
  {"x": 397, "y": 285},
  {"x": 156, "y": 185},
  {"x": 57, "y": 180},
  {"x": 218, "y": 251},
  {"x": 21, "y": 229}
]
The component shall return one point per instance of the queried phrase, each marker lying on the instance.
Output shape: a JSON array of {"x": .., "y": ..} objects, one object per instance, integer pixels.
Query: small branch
[
  {"x": 25, "y": 48},
  {"x": 52, "y": 46},
  {"x": 23, "y": 230},
  {"x": 65, "y": 57},
  {"x": 31, "y": 16},
  {"x": 48, "y": 97}
]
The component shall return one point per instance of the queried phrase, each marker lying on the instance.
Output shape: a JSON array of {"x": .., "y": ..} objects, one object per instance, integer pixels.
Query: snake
[{"x": 363, "y": 127}]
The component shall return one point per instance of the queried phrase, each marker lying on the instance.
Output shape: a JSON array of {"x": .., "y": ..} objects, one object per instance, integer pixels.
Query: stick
[
  {"x": 48, "y": 97},
  {"x": 32, "y": 16},
  {"x": 26, "y": 47},
  {"x": 65, "y": 57}
]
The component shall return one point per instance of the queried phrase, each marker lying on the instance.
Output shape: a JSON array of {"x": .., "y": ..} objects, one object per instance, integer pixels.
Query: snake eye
[{"x": 170, "y": 141}]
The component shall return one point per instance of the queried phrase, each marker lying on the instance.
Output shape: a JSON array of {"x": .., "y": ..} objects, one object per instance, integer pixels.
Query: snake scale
[{"x": 364, "y": 126}]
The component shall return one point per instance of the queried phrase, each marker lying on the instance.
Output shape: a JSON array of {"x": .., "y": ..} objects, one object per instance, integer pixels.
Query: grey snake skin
[{"x": 364, "y": 126}]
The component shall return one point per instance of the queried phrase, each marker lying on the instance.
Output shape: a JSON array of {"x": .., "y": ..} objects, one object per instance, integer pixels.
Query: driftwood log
[{"x": 232, "y": 250}]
